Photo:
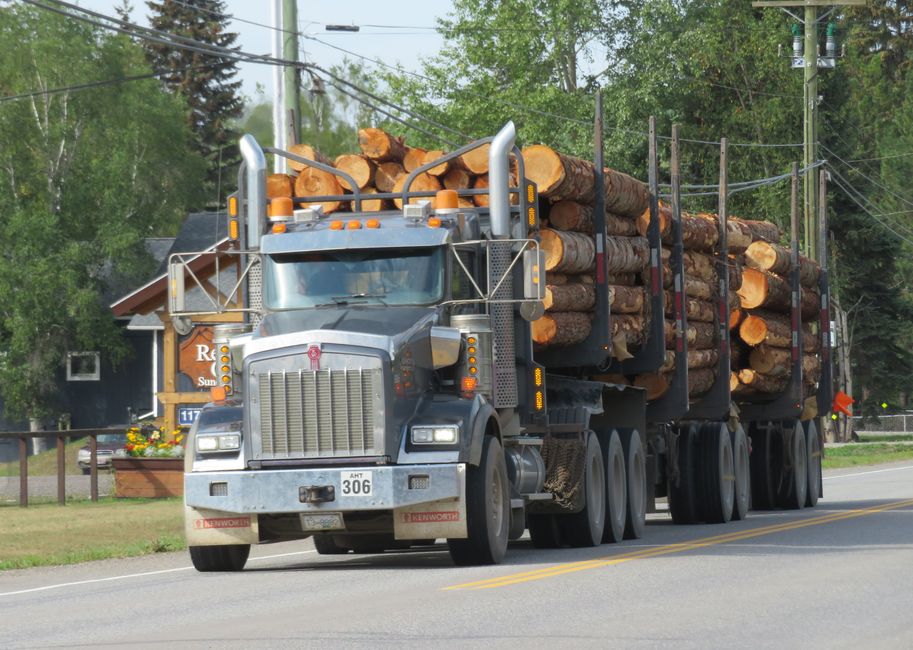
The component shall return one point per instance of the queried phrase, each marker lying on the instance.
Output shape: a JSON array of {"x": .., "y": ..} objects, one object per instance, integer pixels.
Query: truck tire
[
  {"x": 326, "y": 545},
  {"x": 543, "y": 530},
  {"x": 232, "y": 557},
  {"x": 794, "y": 483},
  {"x": 487, "y": 510},
  {"x": 741, "y": 465},
  {"x": 616, "y": 489},
  {"x": 636, "y": 473},
  {"x": 717, "y": 473},
  {"x": 683, "y": 492},
  {"x": 584, "y": 529},
  {"x": 813, "y": 449},
  {"x": 764, "y": 465}
]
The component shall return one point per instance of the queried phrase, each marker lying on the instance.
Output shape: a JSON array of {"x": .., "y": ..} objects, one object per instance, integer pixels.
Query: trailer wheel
[
  {"x": 584, "y": 528},
  {"x": 543, "y": 530},
  {"x": 813, "y": 449},
  {"x": 487, "y": 510},
  {"x": 764, "y": 465},
  {"x": 232, "y": 557},
  {"x": 794, "y": 484},
  {"x": 636, "y": 472},
  {"x": 616, "y": 489},
  {"x": 741, "y": 465},
  {"x": 683, "y": 491},
  {"x": 717, "y": 473}
]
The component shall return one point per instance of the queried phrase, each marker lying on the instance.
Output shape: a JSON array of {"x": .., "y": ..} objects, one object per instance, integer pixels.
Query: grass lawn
[
  {"x": 851, "y": 455},
  {"x": 45, "y": 463},
  {"x": 49, "y": 534}
]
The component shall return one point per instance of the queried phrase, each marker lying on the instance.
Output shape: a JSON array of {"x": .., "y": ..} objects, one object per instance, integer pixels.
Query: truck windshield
[{"x": 387, "y": 276}]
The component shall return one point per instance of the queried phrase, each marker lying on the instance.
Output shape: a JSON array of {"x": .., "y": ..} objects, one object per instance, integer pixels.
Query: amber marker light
[
  {"x": 282, "y": 206},
  {"x": 336, "y": 225},
  {"x": 279, "y": 228},
  {"x": 232, "y": 206},
  {"x": 372, "y": 223},
  {"x": 233, "y": 229},
  {"x": 434, "y": 222},
  {"x": 217, "y": 393},
  {"x": 354, "y": 225},
  {"x": 468, "y": 384}
]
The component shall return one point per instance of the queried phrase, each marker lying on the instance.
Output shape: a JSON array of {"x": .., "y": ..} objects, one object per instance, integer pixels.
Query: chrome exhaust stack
[
  {"x": 255, "y": 182},
  {"x": 499, "y": 181}
]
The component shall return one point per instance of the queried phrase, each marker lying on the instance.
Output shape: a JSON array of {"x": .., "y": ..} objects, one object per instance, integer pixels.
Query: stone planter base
[{"x": 148, "y": 477}]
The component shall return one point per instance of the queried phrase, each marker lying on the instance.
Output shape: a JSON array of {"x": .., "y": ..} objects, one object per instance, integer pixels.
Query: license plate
[
  {"x": 356, "y": 484},
  {"x": 322, "y": 521}
]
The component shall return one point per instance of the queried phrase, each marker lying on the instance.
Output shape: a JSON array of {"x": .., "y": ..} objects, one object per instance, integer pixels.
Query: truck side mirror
[
  {"x": 533, "y": 284},
  {"x": 176, "y": 296}
]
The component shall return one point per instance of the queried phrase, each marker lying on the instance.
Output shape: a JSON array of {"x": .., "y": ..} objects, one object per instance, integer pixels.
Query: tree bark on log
[
  {"x": 767, "y": 360},
  {"x": 699, "y": 335},
  {"x": 413, "y": 158},
  {"x": 626, "y": 300},
  {"x": 630, "y": 326},
  {"x": 627, "y": 254},
  {"x": 762, "y": 383},
  {"x": 809, "y": 303},
  {"x": 735, "y": 273},
  {"x": 760, "y": 230},
  {"x": 700, "y": 381},
  {"x": 558, "y": 176},
  {"x": 624, "y": 194},
  {"x": 623, "y": 279},
  {"x": 698, "y": 233},
  {"x": 777, "y": 259},
  {"x": 764, "y": 289},
  {"x": 476, "y": 161},
  {"x": 457, "y": 178},
  {"x": 316, "y": 182},
  {"x": 703, "y": 358},
  {"x": 766, "y": 327},
  {"x": 617, "y": 226},
  {"x": 386, "y": 174},
  {"x": 738, "y": 236},
  {"x": 570, "y": 215},
  {"x": 572, "y": 296},
  {"x": 695, "y": 309},
  {"x": 380, "y": 146},
  {"x": 280, "y": 185},
  {"x": 358, "y": 167},
  {"x": 421, "y": 183},
  {"x": 567, "y": 252},
  {"x": 305, "y": 151},
  {"x": 695, "y": 288},
  {"x": 561, "y": 328},
  {"x": 697, "y": 265}
]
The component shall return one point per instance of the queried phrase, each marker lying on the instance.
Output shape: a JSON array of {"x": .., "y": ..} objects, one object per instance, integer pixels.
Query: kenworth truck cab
[{"x": 383, "y": 391}]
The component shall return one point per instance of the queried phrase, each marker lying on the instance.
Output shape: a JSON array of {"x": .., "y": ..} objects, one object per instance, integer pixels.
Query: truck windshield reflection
[{"x": 351, "y": 277}]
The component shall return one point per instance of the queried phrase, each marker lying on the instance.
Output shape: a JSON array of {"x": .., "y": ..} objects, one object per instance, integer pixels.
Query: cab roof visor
[
  {"x": 255, "y": 181},
  {"x": 499, "y": 180}
]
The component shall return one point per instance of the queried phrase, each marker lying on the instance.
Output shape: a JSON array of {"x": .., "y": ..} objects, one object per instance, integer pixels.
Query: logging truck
[{"x": 527, "y": 341}]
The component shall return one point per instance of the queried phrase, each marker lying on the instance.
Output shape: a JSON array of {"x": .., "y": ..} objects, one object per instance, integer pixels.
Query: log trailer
[{"x": 384, "y": 390}]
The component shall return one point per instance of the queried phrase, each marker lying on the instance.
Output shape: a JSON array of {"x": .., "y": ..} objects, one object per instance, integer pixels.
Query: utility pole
[
  {"x": 292, "y": 73},
  {"x": 806, "y": 57},
  {"x": 279, "y": 122}
]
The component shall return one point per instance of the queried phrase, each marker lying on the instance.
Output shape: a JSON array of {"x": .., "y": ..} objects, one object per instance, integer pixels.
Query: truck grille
[{"x": 319, "y": 413}]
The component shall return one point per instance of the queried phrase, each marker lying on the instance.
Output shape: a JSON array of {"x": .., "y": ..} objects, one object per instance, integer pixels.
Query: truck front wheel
[
  {"x": 232, "y": 557},
  {"x": 487, "y": 510}
]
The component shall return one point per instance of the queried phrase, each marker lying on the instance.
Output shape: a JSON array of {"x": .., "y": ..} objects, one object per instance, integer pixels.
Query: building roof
[{"x": 200, "y": 232}]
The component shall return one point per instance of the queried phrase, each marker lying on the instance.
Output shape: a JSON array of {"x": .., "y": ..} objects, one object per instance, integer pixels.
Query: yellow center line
[{"x": 679, "y": 547}]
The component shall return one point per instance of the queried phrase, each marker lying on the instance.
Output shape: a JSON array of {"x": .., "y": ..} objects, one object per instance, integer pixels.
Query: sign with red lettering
[
  {"x": 222, "y": 522},
  {"x": 197, "y": 358}
]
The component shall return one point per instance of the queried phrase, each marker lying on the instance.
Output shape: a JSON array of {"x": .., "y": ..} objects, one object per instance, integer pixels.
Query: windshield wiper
[{"x": 345, "y": 300}]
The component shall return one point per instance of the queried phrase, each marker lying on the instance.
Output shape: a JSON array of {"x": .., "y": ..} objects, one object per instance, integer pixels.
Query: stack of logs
[
  {"x": 382, "y": 166},
  {"x": 761, "y": 356},
  {"x": 570, "y": 249}
]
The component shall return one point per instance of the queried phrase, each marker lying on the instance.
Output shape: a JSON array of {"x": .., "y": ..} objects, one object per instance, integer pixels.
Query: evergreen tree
[{"x": 206, "y": 82}]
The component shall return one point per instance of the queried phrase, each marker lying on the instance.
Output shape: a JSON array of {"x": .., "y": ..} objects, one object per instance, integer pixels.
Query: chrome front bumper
[{"x": 286, "y": 490}]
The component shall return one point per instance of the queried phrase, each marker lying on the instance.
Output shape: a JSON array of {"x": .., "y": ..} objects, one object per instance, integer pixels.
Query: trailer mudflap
[
  {"x": 203, "y": 527},
  {"x": 445, "y": 518}
]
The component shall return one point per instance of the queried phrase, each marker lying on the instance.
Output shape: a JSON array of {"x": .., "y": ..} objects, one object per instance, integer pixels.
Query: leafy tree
[
  {"x": 85, "y": 176},
  {"x": 205, "y": 82}
]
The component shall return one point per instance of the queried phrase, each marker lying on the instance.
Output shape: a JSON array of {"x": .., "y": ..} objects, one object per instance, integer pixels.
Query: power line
[
  {"x": 849, "y": 193},
  {"x": 897, "y": 155},
  {"x": 99, "y": 84},
  {"x": 859, "y": 195},
  {"x": 869, "y": 178}
]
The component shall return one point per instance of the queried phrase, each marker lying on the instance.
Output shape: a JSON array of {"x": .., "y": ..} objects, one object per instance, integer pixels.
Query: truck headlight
[
  {"x": 215, "y": 443},
  {"x": 445, "y": 434}
]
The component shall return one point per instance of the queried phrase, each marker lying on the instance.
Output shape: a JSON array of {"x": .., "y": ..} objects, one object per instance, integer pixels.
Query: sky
[{"x": 405, "y": 46}]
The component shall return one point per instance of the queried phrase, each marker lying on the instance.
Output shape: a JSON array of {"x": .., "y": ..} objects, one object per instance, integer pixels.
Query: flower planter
[{"x": 148, "y": 477}]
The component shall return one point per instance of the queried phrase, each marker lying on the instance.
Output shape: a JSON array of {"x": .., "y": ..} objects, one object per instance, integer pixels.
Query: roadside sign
[{"x": 187, "y": 415}]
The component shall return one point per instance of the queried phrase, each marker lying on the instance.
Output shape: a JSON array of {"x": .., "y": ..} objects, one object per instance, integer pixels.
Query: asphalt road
[{"x": 839, "y": 575}]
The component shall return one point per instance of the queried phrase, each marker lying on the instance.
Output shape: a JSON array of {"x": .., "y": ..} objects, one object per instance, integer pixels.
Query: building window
[{"x": 83, "y": 366}]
